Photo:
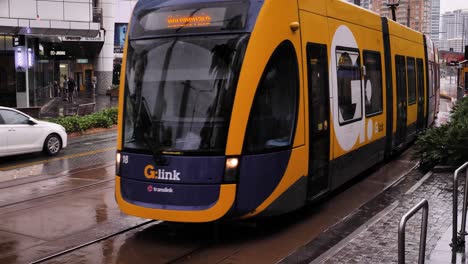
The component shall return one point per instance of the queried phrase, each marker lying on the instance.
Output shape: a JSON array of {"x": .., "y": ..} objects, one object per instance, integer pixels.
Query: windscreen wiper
[
  {"x": 158, "y": 158},
  {"x": 149, "y": 138}
]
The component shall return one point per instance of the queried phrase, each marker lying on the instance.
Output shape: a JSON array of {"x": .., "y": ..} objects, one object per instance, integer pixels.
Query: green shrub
[
  {"x": 102, "y": 119},
  {"x": 447, "y": 144}
]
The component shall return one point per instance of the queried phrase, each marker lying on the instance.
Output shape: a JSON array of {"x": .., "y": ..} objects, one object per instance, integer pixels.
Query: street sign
[
  {"x": 58, "y": 53},
  {"x": 18, "y": 41}
]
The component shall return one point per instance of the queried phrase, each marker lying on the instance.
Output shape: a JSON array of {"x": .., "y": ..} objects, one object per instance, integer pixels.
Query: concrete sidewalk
[
  {"x": 58, "y": 106},
  {"x": 376, "y": 239}
]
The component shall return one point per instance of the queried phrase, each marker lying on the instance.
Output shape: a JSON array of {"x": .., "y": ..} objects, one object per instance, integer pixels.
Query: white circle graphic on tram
[
  {"x": 370, "y": 128},
  {"x": 368, "y": 91},
  {"x": 346, "y": 89}
]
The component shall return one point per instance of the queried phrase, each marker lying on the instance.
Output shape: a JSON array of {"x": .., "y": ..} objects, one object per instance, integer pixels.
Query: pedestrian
[
  {"x": 65, "y": 87},
  {"x": 71, "y": 89},
  {"x": 56, "y": 89}
]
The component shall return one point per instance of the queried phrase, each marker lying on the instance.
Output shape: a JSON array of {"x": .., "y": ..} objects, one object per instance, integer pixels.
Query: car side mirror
[{"x": 31, "y": 122}]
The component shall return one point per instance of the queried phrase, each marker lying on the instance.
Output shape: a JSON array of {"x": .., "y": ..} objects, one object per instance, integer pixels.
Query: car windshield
[{"x": 179, "y": 92}]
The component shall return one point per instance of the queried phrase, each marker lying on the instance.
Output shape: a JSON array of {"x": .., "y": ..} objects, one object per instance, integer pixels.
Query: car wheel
[{"x": 52, "y": 145}]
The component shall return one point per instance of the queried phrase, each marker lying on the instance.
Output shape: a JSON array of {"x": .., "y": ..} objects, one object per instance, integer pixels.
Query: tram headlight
[
  {"x": 118, "y": 158},
  {"x": 231, "y": 170}
]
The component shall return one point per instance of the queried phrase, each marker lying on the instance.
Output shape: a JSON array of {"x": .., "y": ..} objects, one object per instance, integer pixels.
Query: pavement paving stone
[
  {"x": 386, "y": 229},
  {"x": 378, "y": 243},
  {"x": 382, "y": 237}
]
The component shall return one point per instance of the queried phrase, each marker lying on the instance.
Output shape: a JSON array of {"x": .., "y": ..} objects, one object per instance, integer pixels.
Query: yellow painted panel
[
  {"x": 367, "y": 129},
  {"x": 226, "y": 199},
  {"x": 403, "y": 32},
  {"x": 314, "y": 29},
  {"x": 314, "y": 6},
  {"x": 407, "y": 48},
  {"x": 351, "y": 13},
  {"x": 272, "y": 28}
]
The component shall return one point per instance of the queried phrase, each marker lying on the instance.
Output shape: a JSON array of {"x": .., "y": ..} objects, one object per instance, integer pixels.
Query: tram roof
[
  {"x": 399, "y": 30},
  {"x": 353, "y": 14}
]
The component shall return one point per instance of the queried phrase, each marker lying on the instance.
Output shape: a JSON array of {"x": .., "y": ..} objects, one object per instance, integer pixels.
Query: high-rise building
[
  {"x": 413, "y": 13},
  {"x": 366, "y": 3},
  {"x": 452, "y": 26},
  {"x": 435, "y": 21},
  {"x": 363, "y": 3}
]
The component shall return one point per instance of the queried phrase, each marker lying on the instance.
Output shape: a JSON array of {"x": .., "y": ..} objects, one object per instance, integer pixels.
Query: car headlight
[{"x": 64, "y": 130}]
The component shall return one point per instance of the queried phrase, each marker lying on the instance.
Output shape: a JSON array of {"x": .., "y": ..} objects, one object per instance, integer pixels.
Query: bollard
[
  {"x": 424, "y": 205},
  {"x": 458, "y": 241}
]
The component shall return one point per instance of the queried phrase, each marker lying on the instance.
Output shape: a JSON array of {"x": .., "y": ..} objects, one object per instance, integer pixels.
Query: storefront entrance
[{"x": 7, "y": 72}]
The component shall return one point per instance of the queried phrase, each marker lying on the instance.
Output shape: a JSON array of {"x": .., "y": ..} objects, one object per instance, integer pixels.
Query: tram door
[
  {"x": 319, "y": 119},
  {"x": 401, "y": 100},
  {"x": 420, "y": 85}
]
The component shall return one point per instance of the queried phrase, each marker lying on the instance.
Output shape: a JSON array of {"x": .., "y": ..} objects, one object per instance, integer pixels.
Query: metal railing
[
  {"x": 424, "y": 205},
  {"x": 458, "y": 241}
]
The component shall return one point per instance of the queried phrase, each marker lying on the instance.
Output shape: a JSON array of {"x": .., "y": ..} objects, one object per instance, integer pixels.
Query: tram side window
[
  {"x": 274, "y": 109},
  {"x": 420, "y": 78},
  {"x": 466, "y": 80},
  {"x": 373, "y": 82},
  {"x": 431, "y": 79},
  {"x": 349, "y": 85},
  {"x": 411, "y": 72}
]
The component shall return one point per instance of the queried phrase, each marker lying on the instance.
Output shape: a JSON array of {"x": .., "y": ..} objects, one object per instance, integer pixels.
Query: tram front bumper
[{"x": 174, "y": 202}]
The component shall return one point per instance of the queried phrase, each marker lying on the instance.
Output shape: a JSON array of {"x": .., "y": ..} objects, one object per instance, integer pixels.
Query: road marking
[{"x": 89, "y": 153}]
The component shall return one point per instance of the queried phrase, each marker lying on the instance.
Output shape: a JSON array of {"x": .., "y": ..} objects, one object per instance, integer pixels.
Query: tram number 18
[{"x": 125, "y": 159}]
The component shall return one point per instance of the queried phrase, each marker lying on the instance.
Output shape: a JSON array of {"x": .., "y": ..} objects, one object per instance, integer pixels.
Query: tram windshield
[{"x": 179, "y": 93}]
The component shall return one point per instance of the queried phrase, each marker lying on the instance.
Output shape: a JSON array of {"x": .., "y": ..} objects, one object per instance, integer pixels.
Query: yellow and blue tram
[{"x": 243, "y": 108}]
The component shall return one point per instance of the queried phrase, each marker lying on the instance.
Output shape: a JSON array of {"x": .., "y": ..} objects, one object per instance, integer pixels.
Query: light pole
[{"x": 393, "y": 4}]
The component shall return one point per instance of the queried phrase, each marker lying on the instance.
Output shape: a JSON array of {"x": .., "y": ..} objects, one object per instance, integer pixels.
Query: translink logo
[{"x": 151, "y": 173}]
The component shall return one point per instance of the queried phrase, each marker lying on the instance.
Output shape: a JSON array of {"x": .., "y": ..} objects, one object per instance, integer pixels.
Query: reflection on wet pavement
[
  {"x": 59, "y": 165},
  {"x": 42, "y": 188},
  {"x": 155, "y": 244},
  {"x": 260, "y": 241},
  {"x": 72, "y": 212}
]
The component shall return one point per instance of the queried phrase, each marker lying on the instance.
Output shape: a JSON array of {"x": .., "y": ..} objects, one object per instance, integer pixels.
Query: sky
[{"x": 450, "y": 5}]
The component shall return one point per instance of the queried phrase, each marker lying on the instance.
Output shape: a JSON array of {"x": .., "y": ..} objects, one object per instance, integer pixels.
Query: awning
[{"x": 13, "y": 26}]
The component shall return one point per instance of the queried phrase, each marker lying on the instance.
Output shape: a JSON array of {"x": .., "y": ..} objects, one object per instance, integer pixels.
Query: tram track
[
  {"x": 66, "y": 251},
  {"x": 57, "y": 193},
  {"x": 195, "y": 248},
  {"x": 42, "y": 177}
]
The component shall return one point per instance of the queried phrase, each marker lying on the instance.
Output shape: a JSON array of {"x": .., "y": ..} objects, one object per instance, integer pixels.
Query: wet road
[{"x": 48, "y": 206}]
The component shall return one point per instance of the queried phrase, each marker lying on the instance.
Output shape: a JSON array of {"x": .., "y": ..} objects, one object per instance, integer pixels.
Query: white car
[{"x": 20, "y": 133}]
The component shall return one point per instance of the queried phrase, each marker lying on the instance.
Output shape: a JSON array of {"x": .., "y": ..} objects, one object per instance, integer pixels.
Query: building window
[
  {"x": 349, "y": 85},
  {"x": 373, "y": 82}
]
